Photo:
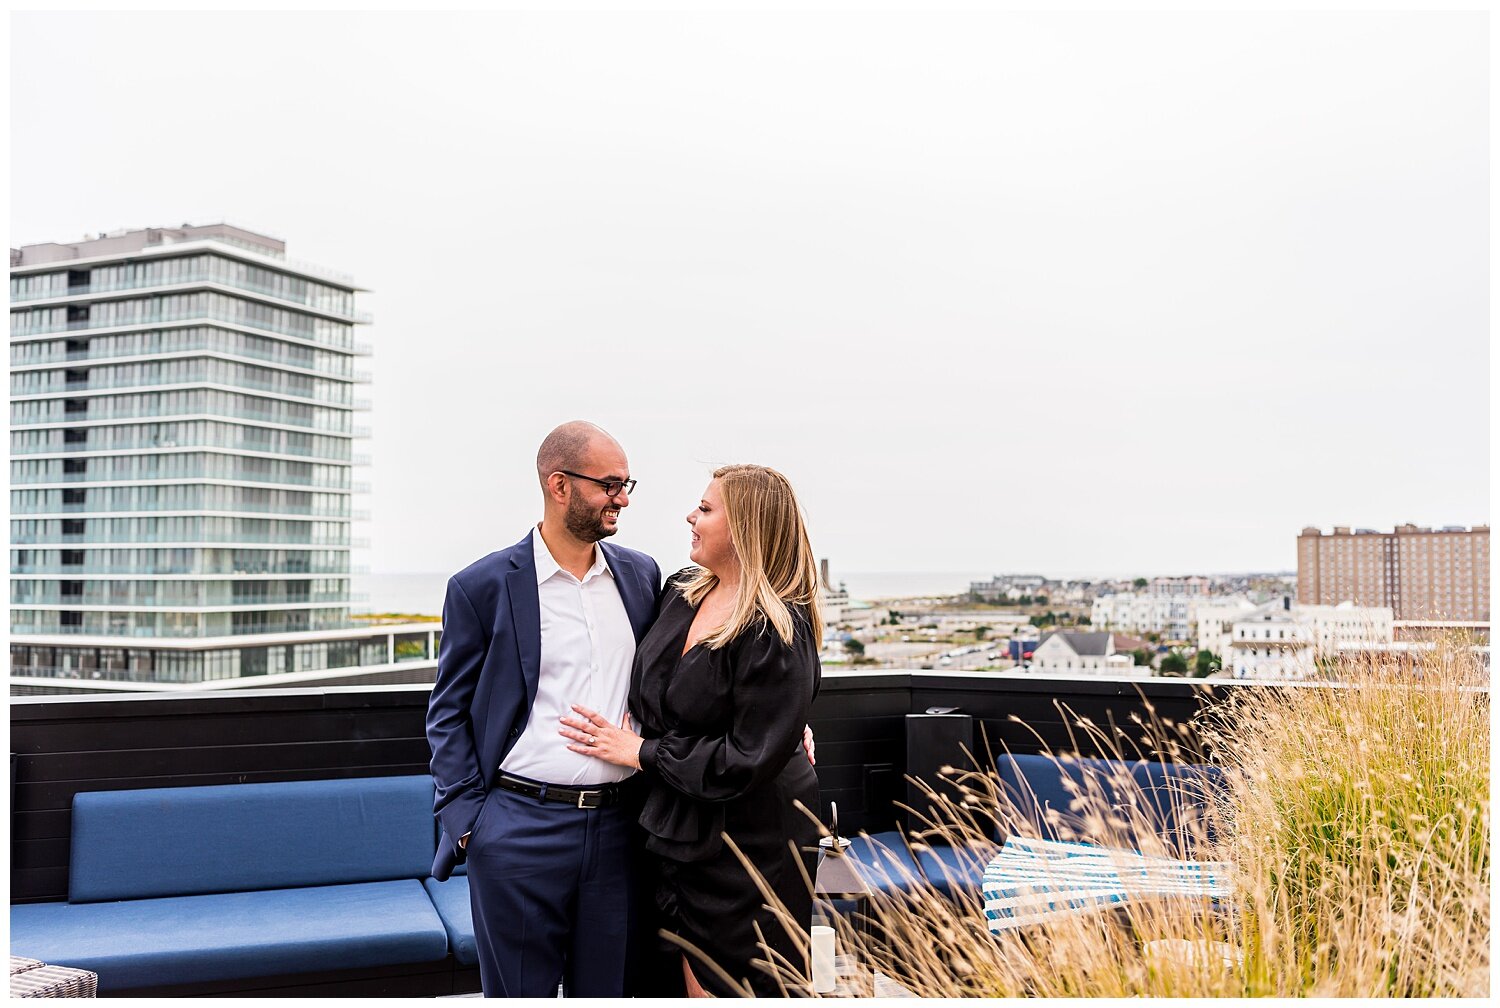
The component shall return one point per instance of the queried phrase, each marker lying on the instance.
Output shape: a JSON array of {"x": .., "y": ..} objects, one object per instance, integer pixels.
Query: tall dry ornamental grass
[
  {"x": 1354, "y": 829},
  {"x": 1361, "y": 829}
]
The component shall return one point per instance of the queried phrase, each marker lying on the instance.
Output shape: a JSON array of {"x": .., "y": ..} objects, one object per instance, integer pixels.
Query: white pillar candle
[{"x": 824, "y": 976}]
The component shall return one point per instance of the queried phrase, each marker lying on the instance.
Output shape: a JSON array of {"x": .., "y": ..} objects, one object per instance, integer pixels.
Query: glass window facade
[
  {"x": 178, "y": 528},
  {"x": 174, "y": 560},
  {"x": 173, "y": 270},
  {"x": 180, "y": 371},
  {"x": 213, "y": 402},
  {"x": 188, "y": 477},
  {"x": 179, "y": 497},
  {"x": 158, "y": 308},
  {"x": 156, "y": 342},
  {"x": 135, "y": 664},
  {"x": 179, "y": 465},
  {"x": 177, "y": 435}
]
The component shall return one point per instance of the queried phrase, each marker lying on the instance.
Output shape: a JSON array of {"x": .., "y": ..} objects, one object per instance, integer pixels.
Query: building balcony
[
  {"x": 202, "y": 603},
  {"x": 42, "y": 510},
  {"x": 333, "y": 456},
  {"x": 21, "y": 390},
  {"x": 191, "y": 411},
  {"x": 164, "y": 570},
  {"x": 34, "y": 356},
  {"x": 108, "y": 633},
  {"x": 181, "y": 542},
  {"x": 345, "y": 344},
  {"x": 195, "y": 474},
  {"x": 206, "y": 280}
]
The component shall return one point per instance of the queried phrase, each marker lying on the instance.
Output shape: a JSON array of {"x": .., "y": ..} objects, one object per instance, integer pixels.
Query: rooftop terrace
[{"x": 62, "y": 746}]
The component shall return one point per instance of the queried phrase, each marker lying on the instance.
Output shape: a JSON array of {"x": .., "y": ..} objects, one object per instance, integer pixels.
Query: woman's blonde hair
[{"x": 777, "y": 569}]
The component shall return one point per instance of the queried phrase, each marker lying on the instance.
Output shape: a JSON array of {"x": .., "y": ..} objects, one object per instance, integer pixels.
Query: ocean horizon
[{"x": 421, "y": 593}]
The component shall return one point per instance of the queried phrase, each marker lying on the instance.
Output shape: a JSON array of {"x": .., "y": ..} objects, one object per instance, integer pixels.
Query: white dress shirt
[{"x": 587, "y": 648}]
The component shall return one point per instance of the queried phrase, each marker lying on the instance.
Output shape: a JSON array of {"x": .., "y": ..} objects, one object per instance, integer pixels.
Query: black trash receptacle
[{"x": 934, "y": 741}]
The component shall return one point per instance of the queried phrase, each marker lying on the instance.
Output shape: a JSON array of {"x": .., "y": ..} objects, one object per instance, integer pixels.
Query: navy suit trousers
[{"x": 551, "y": 890}]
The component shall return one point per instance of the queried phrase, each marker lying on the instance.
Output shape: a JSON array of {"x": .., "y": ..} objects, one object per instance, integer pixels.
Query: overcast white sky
[{"x": 1020, "y": 292}]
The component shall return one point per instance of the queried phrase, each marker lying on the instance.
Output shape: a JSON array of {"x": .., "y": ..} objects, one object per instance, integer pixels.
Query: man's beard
[{"x": 585, "y": 523}]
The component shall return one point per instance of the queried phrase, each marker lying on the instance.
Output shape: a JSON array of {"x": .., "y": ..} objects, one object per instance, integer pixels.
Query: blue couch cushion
[
  {"x": 1178, "y": 797},
  {"x": 955, "y": 870},
  {"x": 239, "y": 837},
  {"x": 452, "y": 901},
  {"x": 186, "y": 939},
  {"x": 1134, "y": 796},
  {"x": 885, "y": 860},
  {"x": 889, "y": 861}
]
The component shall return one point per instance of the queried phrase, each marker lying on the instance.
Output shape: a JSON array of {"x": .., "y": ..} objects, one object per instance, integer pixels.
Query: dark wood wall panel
[
  {"x": 63, "y": 745},
  {"x": 1031, "y": 715},
  {"x": 859, "y": 721}
]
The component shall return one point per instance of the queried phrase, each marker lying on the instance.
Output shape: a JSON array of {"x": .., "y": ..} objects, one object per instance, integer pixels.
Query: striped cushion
[{"x": 1030, "y": 881}]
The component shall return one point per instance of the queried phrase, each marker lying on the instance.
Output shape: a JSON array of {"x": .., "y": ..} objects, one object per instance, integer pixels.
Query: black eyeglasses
[{"x": 612, "y": 488}]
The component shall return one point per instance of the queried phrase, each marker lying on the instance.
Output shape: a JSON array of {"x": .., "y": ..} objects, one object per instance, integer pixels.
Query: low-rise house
[{"x": 1093, "y": 653}]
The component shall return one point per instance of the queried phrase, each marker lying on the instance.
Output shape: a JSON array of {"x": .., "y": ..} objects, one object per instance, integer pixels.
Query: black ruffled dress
[{"x": 723, "y": 754}]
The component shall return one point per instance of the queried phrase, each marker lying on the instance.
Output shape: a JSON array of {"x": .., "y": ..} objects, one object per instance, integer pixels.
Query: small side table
[{"x": 30, "y": 978}]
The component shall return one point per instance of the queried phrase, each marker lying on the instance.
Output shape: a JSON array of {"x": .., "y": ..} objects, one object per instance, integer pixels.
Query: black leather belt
[{"x": 601, "y": 796}]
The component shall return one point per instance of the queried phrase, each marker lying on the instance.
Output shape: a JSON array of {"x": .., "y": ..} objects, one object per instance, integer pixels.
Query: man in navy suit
[{"x": 527, "y": 632}]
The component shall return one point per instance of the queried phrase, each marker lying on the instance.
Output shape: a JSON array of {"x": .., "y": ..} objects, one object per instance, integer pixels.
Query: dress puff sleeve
[{"x": 772, "y": 687}]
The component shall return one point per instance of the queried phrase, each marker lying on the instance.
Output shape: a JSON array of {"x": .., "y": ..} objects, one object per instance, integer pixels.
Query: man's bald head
[{"x": 567, "y": 447}]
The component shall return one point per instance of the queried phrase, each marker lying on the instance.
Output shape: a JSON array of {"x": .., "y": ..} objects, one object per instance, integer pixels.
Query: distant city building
[
  {"x": 1279, "y": 640},
  {"x": 1179, "y": 587},
  {"x": 1074, "y": 651},
  {"x": 1008, "y": 587},
  {"x": 835, "y": 601},
  {"x": 1256, "y": 586},
  {"x": 1438, "y": 575},
  {"x": 182, "y": 420},
  {"x": 1074, "y": 593},
  {"x": 1170, "y": 615},
  {"x": 1214, "y": 619}
]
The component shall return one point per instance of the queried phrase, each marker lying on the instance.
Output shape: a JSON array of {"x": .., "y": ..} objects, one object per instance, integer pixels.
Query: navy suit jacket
[{"x": 488, "y": 666}]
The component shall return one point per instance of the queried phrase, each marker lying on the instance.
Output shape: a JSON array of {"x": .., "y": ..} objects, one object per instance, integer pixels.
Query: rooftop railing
[{"x": 67, "y": 744}]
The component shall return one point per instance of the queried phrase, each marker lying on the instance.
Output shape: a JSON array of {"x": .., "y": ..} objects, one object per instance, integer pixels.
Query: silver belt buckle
[{"x": 590, "y": 799}]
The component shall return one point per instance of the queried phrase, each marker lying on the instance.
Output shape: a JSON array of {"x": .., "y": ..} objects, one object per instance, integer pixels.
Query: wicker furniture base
[{"x": 30, "y": 978}]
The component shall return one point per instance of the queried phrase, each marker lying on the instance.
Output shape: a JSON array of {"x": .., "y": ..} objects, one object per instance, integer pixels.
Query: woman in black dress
[{"x": 721, "y": 688}]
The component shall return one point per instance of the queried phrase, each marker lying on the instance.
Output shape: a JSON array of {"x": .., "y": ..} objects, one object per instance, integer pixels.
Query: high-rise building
[
  {"x": 182, "y": 427},
  {"x": 1421, "y": 574}
]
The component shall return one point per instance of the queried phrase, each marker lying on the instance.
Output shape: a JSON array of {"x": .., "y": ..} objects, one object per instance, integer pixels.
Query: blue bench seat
[
  {"x": 889, "y": 861},
  {"x": 174, "y": 886},
  {"x": 1138, "y": 798},
  {"x": 952, "y": 870},
  {"x": 228, "y": 936},
  {"x": 451, "y": 898}
]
